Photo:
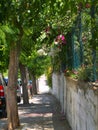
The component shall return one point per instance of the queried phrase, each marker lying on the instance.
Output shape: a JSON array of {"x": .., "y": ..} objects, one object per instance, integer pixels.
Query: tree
[
  {"x": 24, "y": 83},
  {"x": 18, "y": 15}
]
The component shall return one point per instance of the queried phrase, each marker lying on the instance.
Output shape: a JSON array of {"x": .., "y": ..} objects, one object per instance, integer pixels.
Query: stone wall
[{"x": 79, "y": 102}]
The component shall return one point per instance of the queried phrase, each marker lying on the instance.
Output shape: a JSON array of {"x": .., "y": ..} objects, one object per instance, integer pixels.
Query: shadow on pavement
[{"x": 43, "y": 113}]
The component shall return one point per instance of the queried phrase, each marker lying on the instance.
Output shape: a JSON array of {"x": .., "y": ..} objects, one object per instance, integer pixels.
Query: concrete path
[{"x": 43, "y": 113}]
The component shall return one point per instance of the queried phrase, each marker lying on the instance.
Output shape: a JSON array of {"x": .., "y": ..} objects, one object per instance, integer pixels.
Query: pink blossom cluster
[{"x": 60, "y": 39}]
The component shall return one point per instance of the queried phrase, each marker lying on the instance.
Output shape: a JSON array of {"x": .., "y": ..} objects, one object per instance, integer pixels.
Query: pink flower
[
  {"x": 60, "y": 39},
  {"x": 63, "y": 38}
]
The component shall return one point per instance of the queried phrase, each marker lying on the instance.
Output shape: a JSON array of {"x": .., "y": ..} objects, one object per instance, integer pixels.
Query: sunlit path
[{"x": 42, "y": 85}]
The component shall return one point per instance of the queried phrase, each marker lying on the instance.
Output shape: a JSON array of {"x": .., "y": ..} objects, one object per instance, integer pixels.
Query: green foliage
[
  {"x": 48, "y": 74},
  {"x": 2, "y": 36},
  {"x": 33, "y": 17},
  {"x": 84, "y": 73},
  {"x": 56, "y": 63},
  {"x": 4, "y": 49}
]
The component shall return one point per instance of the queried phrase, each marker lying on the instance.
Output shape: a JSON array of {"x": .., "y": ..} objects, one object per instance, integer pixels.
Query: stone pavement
[{"x": 43, "y": 113}]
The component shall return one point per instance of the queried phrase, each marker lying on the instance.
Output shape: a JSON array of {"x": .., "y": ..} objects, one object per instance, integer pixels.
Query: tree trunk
[
  {"x": 34, "y": 84},
  {"x": 12, "y": 108},
  {"x": 24, "y": 83}
]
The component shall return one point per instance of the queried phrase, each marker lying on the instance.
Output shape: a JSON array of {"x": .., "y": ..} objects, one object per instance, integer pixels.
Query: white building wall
[
  {"x": 78, "y": 101},
  {"x": 55, "y": 84}
]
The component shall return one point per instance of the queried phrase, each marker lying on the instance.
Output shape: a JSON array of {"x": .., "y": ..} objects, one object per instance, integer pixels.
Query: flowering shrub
[
  {"x": 59, "y": 47},
  {"x": 83, "y": 73},
  {"x": 71, "y": 73},
  {"x": 60, "y": 39}
]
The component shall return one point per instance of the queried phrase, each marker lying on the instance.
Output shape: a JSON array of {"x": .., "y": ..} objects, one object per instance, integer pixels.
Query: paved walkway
[{"x": 43, "y": 113}]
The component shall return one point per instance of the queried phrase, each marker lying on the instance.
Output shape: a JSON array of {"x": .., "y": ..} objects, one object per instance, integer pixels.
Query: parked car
[{"x": 3, "y": 112}]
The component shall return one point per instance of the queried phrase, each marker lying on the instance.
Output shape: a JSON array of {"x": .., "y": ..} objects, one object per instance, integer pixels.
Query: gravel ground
[{"x": 43, "y": 113}]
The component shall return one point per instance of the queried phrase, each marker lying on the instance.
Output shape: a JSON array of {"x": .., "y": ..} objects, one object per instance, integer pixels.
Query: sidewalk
[{"x": 43, "y": 113}]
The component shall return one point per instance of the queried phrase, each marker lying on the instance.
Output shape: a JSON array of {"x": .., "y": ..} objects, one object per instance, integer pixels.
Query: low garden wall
[{"x": 79, "y": 101}]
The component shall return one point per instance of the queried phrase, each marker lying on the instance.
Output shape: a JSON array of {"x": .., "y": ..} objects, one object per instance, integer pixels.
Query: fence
[{"x": 79, "y": 50}]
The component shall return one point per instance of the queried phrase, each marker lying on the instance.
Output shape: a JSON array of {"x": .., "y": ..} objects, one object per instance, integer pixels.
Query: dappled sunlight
[{"x": 37, "y": 100}]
